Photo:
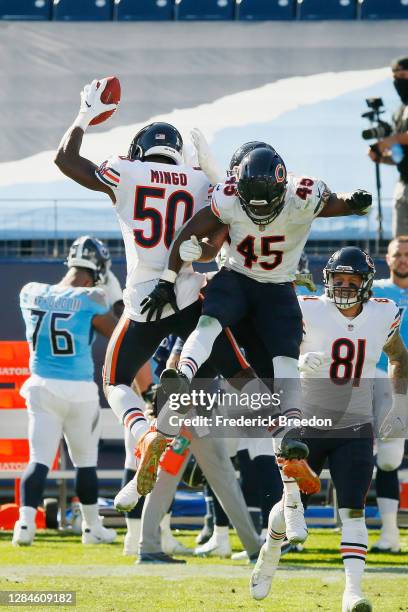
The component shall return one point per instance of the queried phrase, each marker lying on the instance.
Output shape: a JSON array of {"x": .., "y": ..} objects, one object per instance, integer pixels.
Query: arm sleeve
[
  {"x": 395, "y": 316},
  {"x": 109, "y": 172},
  {"x": 112, "y": 289}
]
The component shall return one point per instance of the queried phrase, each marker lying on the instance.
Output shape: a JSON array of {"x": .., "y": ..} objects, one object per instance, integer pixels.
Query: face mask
[{"x": 401, "y": 85}]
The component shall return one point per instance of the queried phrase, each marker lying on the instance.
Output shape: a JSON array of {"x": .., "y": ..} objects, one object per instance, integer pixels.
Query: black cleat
[
  {"x": 173, "y": 381},
  {"x": 159, "y": 557},
  {"x": 293, "y": 449}
]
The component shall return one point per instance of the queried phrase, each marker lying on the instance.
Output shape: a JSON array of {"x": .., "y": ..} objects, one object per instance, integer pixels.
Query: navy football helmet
[
  {"x": 91, "y": 253},
  {"x": 261, "y": 186},
  {"x": 158, "y": 138},
  {"x": 243, "y": 150},
  {"x": 349, "y": 260}
]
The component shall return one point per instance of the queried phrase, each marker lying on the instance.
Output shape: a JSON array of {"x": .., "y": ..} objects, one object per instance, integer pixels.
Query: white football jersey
[
  {"x": 342, "y": 388},
  {"x": 270, "y": 254},
  {"x": 153, "y": 201}
]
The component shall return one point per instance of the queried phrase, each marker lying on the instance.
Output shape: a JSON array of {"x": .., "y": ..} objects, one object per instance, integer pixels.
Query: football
[{"x": 110, "y": 95}]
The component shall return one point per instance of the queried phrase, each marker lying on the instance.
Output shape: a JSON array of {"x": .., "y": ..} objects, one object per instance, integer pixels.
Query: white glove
[
  {"x": 310, "y": 363},
  {"x": 395, "y": 424},
  {"x": 190, "y": 250},
  {"x": 112, "y": 288},
  {"x": 91, "y": 104},
  {"x": 205, "y": 158}
]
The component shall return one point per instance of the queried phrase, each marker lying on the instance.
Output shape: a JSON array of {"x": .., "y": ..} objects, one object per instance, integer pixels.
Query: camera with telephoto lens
[{"x": 382, "y": 129}]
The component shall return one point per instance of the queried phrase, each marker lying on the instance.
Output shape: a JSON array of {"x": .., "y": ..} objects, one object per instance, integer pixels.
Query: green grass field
[{"x": 103, "y": 579}]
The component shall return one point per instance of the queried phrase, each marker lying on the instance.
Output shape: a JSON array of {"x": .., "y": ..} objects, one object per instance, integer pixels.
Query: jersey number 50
[{"x": 159, "y": 227}]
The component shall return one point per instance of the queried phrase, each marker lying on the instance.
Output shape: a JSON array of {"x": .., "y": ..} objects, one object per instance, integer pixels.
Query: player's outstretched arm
[
  {"x": 68, "y": 159},
  {"x": 204, "y": 224},
  {"x": 104, "y": 324},
  {"x": 341, "y": 204},
  {"x": 395, "y": 424}
]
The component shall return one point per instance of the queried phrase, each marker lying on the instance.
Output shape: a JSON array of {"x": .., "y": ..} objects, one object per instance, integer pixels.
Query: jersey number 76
[{"x": 62, "y": 342}]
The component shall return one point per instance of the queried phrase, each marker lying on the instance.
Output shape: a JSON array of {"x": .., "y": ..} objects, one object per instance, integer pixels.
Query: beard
[{"x": 400, "y": 274}]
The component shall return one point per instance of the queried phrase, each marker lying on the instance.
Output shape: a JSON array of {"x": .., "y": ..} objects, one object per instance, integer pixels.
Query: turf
[{"x": 103, "y": 579}]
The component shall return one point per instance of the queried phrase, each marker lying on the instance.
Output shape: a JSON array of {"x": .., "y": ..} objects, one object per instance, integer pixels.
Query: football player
[
  {"x": 268, "y": 214},
  {"x": 344, "y": 334},
  {"x": 154, "y": 193},
  {"x": 61, "y": 395},
  {"x": 390, "y": 452}
]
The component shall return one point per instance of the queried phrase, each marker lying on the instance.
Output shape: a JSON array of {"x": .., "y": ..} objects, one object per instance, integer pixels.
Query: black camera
[{"x": 382, "y": 129}]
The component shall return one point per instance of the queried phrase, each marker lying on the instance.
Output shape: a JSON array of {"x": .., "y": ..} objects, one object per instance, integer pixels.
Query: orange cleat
[
  {"x": 301, "y": 471},
  {"x": 149, "y": 450}
]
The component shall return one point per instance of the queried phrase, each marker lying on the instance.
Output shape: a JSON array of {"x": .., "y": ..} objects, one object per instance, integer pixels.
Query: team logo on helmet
[
  {"x": 369, "y": 260},
  {"x": 280, "y": 173}
]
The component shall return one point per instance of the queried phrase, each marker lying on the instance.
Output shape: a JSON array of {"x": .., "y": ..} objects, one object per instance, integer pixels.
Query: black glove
[
  {"x": 162, "y": 294},
  {"x": 360, "y": 201}
]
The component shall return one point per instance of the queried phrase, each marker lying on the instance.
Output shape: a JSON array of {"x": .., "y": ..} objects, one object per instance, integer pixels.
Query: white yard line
[{"x": 180, "y": 572}]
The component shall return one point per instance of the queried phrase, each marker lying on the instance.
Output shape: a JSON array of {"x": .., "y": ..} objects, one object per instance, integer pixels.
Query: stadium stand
[
  {"x": 207, "y": 10},
  {"x": 258, "y": 10},
  {"x": 29, "y": 10},
  {"x": 148, "y": 10},
  {"x": 330, "y": 9},
  {"x": 86, "y": 10},
  {"x": 378, "y": 9}
]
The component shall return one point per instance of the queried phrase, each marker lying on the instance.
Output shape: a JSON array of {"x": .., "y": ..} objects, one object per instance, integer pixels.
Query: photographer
[{"x": 382, "y": 152}]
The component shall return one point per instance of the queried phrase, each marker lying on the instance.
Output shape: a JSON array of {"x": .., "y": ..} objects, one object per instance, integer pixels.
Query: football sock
[
  {"x": 136, "y": 512},
  {"x": 90, "y": 514},
  {"x": 276, "y": 532},
  {"x": 133, "y": 527},
  {"x": 198, "y": 346},
  {"x": 269, "y": 482},
  {"x": 32, "y": 484},
  {"x": 27, "y": 515},
  {"x": 388, "y": 509},
  {"x": 220, "y": 518},
  {"x": 129, "y": 408},
  {"x": 354, "y": 542},
  {"x": 86, "y": 485}
]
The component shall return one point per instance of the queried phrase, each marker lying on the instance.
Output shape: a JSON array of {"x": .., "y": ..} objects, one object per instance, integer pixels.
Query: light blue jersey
[
  {"x": 385, "y": 288},
  {"x": 59, "y": 329}
]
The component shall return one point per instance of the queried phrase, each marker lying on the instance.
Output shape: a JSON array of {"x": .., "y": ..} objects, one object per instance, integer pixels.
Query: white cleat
[
  {"x": 97, "y": 534},
  {"x": 214, "y": 548},
  {"x": 296, "y": 530},
  {"x": 355, "y": 602},
  {"x": 127, "y": 497},
  {"x": 23, "y": 535},
  {"x": 240, "y": 556},
  {"x": 264, "y": 571},
  {"x": 171, "y": 546},
  {"x": 387, "y": 543}
]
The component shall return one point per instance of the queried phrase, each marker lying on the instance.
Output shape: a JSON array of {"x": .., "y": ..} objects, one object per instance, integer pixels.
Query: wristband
[
  {"x": 82, "y": 121},
  {"x": 169, "y": 276}
]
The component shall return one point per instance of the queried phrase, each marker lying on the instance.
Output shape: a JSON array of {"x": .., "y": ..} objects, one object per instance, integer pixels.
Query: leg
[
  {"x": 389, "y": 457},
  {"x": 218, "y": 544},
  {"x": 351, "y": 467},
  {"x": 133, "y": 518},
  {"x": 81, "y": 430},
  {"x": 44, "y": 434},
  {"x": 213, "y": 458}
]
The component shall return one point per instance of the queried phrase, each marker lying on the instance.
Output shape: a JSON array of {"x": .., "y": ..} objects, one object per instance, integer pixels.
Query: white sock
[
  {"x": 27, "y": 515},
  {"x": 129, "y": 408},
  {"x": 90, "y": 514},
  {"x": 165, "y": 524},
  {"x": 388, "y": 509},
  {"x": 221, "y": 533},
  {"x": 354, "y": 542},
  {"x": 276, "y": 532},
  {"x": 133, "y": 527},
  {"x": 198, "y": 346}
]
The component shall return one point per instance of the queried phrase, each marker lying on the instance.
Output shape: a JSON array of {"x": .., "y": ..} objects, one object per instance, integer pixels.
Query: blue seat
[
  {"x": 204, "y": 9},
  {"x": 82, "y": 10},
  {"x": 264, "y": 10},
  {"x": 384, "y": 9},
  {"x": 33, "y": 10},
  {"x": 329, "y": 9},
  {"x": 143, "y": 10}
]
